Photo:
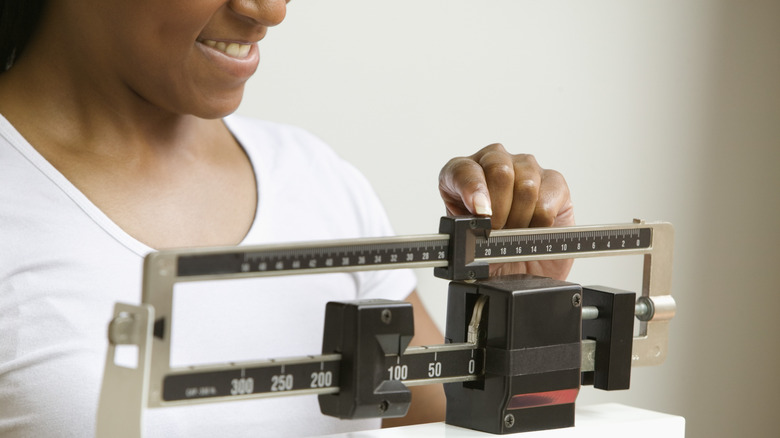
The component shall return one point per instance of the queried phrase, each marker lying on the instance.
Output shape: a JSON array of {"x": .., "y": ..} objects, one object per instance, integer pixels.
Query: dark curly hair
[{"x": 18, "y": 19}]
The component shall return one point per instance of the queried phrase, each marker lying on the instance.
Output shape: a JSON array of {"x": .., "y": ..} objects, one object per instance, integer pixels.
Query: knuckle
[
  {"x": 463, "y": 178},
  {"x": 500, "y": 172},
  {"x": 453, "y": 167},
  {"x": 554, "y": 175},
  {"x": 527, "y": 160},
  {"x": 556, "y": 182},
  {"x": 454, "y": 162},
  {"x": 526, "y": 189},
  {"x": 544, "y": 216},
  {"x": 497, "y": 147},
  {"x": 490, "y": 149}
]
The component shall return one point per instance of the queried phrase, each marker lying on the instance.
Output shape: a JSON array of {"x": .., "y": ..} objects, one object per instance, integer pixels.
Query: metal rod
[{"x": 590, "y": 312}]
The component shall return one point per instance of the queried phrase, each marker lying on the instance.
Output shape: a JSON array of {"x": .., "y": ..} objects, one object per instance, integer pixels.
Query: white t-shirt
[{"x": 63, "y": 265}]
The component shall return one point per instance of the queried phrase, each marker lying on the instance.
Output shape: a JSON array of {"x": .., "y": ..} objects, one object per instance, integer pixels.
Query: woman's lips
[
  {"x": 234, "y": 50},
  {"x": 239, "y": 60}
]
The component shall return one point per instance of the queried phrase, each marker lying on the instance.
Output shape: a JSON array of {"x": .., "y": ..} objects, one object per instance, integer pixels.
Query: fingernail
[{"x": 482, "y": 204}]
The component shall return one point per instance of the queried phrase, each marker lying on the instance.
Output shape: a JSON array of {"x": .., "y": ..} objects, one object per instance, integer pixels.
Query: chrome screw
[
  {"x": 386, "y": 316},
  {"x": 509, "y": 421}
]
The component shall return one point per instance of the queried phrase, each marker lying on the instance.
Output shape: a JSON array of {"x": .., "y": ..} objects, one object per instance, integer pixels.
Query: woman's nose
[{"x": 264, "y": 12}]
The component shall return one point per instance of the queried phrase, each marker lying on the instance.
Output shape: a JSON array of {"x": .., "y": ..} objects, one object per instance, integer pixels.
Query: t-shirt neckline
[{"x": 17, "y": 141}]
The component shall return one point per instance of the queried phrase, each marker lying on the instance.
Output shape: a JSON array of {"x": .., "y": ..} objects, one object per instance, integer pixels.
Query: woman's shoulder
[{"x": 284, "y": 151}]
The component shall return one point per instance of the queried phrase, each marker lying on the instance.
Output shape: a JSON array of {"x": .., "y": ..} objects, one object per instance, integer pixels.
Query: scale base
[{"x": 609, "y": 420}]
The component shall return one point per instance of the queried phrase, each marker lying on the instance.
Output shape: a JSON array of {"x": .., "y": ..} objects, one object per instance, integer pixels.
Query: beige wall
[{"x": 662, "y": 110}]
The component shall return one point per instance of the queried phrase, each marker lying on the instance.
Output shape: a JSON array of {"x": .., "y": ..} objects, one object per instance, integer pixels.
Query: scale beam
[
  {"x": 602, "y": 352},
  {"x": 422, "y": 251}
]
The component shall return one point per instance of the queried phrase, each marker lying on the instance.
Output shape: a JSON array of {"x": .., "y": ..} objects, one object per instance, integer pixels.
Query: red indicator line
[{"x": 549, "y": 398}]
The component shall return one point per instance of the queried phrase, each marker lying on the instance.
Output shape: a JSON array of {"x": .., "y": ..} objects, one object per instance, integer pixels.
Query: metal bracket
[
  {"x": 123, "y": 396},
  {"x": 463, "y": 232}
]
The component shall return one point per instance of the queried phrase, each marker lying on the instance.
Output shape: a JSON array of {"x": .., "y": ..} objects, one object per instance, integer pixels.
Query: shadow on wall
[{"x": 732, "y": 385}]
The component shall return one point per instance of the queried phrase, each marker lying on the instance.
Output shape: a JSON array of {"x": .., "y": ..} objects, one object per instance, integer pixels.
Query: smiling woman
[
  {"x": 112, "y": 144},
  {"x": 116, "y": 139}
]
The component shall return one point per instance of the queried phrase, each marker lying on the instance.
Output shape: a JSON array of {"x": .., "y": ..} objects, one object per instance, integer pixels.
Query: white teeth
[{"x": 234, "y": 50}]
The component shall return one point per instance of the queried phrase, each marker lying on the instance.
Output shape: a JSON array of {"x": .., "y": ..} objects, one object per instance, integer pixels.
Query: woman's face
[{"x": 185, "y": 56}]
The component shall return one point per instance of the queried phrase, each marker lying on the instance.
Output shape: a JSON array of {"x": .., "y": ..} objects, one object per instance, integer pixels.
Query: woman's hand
[{"x": 515, "y": 192}]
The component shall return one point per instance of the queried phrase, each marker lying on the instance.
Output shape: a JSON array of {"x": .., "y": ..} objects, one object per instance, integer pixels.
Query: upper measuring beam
[{"x": 420, "y": 251}]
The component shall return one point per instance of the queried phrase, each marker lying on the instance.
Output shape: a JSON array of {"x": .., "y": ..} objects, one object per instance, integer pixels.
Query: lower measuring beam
[
  {"x": 320, "y": 374},
  {"x": 307, "y": 375},
  {"x": 363, "y": 372}
]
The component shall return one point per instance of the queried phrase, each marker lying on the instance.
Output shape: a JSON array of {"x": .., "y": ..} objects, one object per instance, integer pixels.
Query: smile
[{"x": 234, "y": 50}]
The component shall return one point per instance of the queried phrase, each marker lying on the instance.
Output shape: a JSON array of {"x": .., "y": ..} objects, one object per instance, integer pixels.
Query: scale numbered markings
[
  {"x": 412, "y": 251},
  {"x": 421, "y": 366},
  {"x": 425, "y": 364},
  {"x": 563, "y": 243},
  {"x": 314, "y": 376},
  {"x": 326, "y": 258}
]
